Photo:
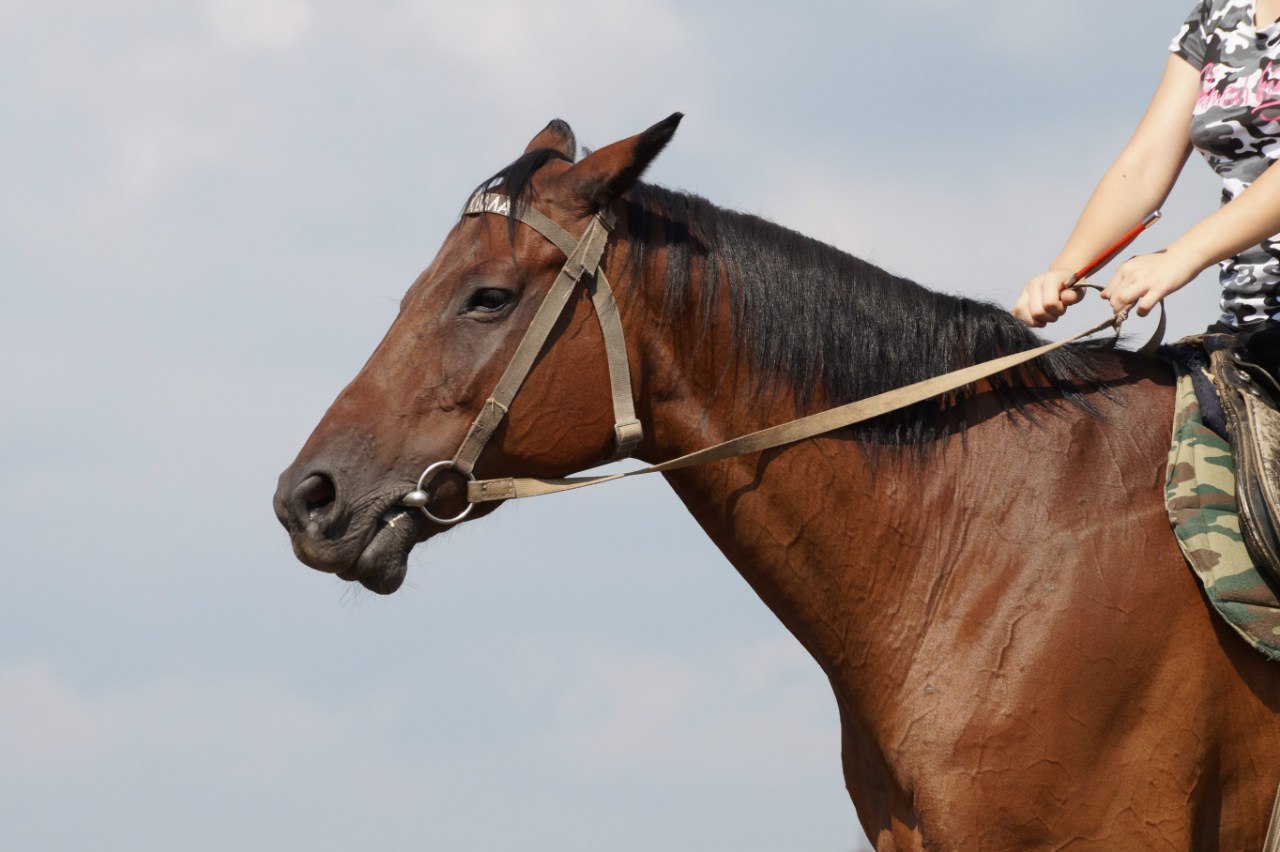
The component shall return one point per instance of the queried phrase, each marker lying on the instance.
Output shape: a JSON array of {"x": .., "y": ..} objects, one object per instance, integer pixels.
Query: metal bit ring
[{"x": 419, "y": 497}]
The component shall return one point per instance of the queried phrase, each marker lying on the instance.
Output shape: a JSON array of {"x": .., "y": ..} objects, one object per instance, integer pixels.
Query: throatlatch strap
[{"x": 627, "y": 431}]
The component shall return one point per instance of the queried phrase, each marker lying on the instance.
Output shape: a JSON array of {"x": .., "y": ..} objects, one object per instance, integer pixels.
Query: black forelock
[{"x": 516, "y": 180}]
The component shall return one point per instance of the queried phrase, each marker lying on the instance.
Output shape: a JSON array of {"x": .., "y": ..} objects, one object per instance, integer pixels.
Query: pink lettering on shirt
[{"x": 1260, "y": 91}]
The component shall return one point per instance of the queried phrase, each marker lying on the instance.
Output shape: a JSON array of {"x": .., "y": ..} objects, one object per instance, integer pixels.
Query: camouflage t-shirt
[{"x": 1236, "y": 126}]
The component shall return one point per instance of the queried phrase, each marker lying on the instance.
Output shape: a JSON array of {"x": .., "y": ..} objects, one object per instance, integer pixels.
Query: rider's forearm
[
  {"x": 1128, "y": 191},
  {"x": 1142, "y": 176},
  {"x": 1247, "y": 220}
]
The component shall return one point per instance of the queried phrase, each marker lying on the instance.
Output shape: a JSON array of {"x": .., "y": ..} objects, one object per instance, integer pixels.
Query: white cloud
[
  {"x": 711, "y": 712},
  {"x": 533, "y": 62},
  {"x": 153, "y": 755},
  {"x": 511, "y": 36},
  {"x": 623, "y": 709},
  {"x": 1006, "y": 27},
  {"x": 47, "y": 730},
  {"x": 147, "y": 155},
  {"x": 268, "y": 24},
  {"x": 50, "y": 729}
]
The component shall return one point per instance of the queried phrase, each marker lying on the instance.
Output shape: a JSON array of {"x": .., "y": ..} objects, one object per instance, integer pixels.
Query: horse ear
[
  {"x": 558, "y": 137},
  {"x": 605, "y": 174}
]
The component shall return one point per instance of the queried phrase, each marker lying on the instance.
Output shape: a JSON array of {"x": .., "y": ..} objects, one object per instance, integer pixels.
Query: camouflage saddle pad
[{"x": 1200, "y": 495}]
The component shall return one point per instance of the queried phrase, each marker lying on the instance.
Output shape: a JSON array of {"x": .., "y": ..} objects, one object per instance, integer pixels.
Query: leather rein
[{"x": 584, "y": 262}]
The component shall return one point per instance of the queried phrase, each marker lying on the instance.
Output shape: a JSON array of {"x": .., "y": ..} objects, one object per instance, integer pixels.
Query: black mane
[{"x": 829, "y": 327}]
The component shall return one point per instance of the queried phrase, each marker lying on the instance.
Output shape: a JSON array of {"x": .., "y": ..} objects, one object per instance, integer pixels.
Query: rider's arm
[
  {"x": 1248, "y": 219},
  {"x": 1136, "y": 183}
]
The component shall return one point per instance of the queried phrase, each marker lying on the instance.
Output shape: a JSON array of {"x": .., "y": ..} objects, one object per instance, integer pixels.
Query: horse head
[{"x": 412, "y": 405}]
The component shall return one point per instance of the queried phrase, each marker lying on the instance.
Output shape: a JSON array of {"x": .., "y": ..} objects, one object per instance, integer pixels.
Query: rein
[{"x": 584, "y": 261}]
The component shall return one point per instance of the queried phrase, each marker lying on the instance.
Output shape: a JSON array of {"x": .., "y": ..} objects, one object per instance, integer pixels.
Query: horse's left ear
[
  {"x": 605, "y": 174},
  {"x": 557, "y": 136}
]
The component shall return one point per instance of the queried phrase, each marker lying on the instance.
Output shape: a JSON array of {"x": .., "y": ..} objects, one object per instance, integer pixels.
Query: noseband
[{"x": 583, "y": 262}]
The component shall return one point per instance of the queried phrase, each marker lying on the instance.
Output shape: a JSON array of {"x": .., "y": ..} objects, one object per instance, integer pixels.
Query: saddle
[{"x": 1247, "y": 399}]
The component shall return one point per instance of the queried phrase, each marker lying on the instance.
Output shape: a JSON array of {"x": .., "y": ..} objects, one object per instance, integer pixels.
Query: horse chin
[{"x": 382, "y": 565}]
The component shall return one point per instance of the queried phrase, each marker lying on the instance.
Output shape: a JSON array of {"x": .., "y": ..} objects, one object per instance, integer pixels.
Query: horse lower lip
[{"x": 382, "y": 564}]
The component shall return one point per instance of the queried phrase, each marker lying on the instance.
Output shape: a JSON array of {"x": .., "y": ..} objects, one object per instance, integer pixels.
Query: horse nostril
[{"x": 315, "y": 495}]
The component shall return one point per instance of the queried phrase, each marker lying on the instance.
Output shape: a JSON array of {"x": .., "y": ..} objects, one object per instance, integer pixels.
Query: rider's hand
[
  {"x": 1043, "y": 300},
  {"x": 1148, "y": 278}
]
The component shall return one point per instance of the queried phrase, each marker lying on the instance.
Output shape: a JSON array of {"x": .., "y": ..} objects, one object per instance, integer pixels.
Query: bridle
[
  {"x": 584, "y": 257},
  {"x": 583, "y": 262}
]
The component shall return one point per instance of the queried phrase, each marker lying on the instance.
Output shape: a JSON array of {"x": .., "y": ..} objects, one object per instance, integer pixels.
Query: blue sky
[{"x": 210, "y": 211}]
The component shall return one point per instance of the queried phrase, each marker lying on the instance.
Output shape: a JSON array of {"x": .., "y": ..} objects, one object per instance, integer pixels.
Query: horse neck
[
  {"x": 820, "y": 571},
  {"x": 912, "y": 580}
]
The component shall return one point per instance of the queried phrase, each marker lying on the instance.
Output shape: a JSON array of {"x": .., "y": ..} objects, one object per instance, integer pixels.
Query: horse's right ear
[
  {"x": 558, "y": 137},
  {"x": 605, "y": 174}
]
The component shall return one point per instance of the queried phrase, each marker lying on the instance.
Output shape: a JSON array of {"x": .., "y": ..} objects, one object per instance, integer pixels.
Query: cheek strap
[{"x": 583, "y": 261}]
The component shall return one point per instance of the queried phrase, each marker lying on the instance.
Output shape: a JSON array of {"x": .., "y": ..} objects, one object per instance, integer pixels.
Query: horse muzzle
[{"x": 362, "y": 539}]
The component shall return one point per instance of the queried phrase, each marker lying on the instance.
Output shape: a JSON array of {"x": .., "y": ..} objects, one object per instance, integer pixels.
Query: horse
[{"x": 1020, "y": 655}]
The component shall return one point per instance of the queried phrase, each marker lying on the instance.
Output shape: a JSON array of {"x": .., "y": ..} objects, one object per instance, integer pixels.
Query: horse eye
[{"x": 488, "y": 300}]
